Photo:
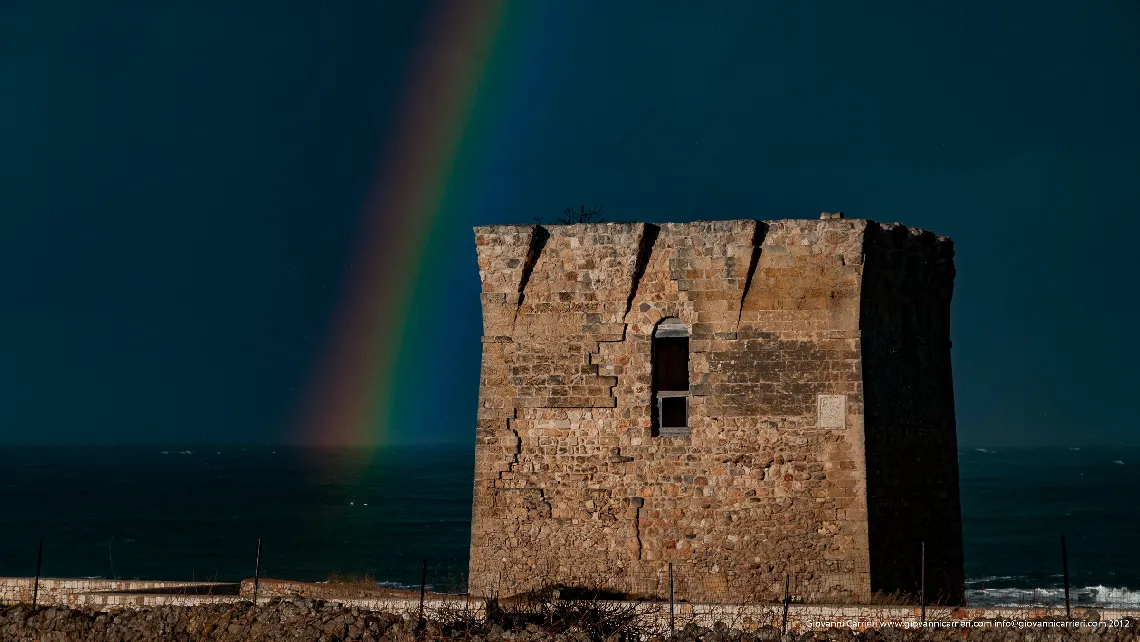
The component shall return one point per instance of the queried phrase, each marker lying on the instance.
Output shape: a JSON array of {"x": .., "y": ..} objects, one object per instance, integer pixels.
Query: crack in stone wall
[
  {"x": 757, "y": 242},
  {"x": 637, "y": 503},
  {"x": 512, "y": 454},
  {"x": 644, "y": 250},
  {"x": 537, "y": 241}
]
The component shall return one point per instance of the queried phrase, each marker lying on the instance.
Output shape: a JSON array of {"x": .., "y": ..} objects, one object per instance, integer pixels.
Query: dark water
[
  {"x": 1016, "y": 504},
  {"x": 196, "y": 513}
]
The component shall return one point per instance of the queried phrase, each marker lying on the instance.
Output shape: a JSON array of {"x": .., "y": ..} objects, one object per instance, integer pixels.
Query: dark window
[
  {"x": 671, "y": 379},
  {"x": 671, "y": 370},
  {"x": 674, "y": 414}
]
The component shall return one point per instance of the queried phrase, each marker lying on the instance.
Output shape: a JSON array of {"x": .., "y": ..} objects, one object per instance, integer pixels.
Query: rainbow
[{"x": 350, "y": 402}]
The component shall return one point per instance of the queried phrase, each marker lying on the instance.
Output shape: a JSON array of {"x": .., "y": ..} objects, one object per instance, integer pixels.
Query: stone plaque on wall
[{"x": 832, "y": 411}]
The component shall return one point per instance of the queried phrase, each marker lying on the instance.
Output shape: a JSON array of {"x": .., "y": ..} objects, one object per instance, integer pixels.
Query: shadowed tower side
[{"x": 912, "y": 458}]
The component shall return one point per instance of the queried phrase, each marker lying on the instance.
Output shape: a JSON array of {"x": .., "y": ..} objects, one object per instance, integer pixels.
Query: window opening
[{"x": 671, "y": 379}]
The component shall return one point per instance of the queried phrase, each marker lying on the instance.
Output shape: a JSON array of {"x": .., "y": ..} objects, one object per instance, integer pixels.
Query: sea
[{"x": 399, "y": 514}]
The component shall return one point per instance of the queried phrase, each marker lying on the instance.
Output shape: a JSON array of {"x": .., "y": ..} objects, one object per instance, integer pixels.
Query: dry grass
[{"x": 598, "y": 616}]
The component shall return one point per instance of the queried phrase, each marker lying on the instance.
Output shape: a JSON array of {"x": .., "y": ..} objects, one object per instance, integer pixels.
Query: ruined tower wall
[
  {"x": 912, "y": 460},
  {"x": 571, "y": 485}
]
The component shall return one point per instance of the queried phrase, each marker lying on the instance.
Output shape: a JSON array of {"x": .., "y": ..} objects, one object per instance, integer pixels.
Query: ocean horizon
[{"x": 195, "y": 512}]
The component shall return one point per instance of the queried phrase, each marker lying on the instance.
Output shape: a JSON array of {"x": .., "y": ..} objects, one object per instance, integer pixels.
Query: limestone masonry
[{"x": 743, "y": 399}]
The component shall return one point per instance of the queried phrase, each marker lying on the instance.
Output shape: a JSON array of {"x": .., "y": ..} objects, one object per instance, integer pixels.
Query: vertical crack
[
  {"x": 538, "y": 240},
  {"x": 644, "y": 249},
  {"x": 757, "y": 241},
  {"x": 594, "y": 358},
  {"x": 637, "y": 503},
  {"x": 548, "y": 507},
  {"x": 517, "y": 448}
]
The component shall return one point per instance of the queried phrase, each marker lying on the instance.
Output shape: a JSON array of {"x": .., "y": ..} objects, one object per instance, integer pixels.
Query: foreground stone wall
[
  {"x": 68, "y": 590},
  {"x": 304, "y": 619},
  {"x": 238, "y": 622},
  {"x": 572, "y": 486}
]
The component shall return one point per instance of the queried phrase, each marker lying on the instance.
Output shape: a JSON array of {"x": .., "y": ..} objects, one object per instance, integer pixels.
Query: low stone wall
[
  {"x": 814, "y": 617},
  {"x": 747, "y": 617},
  {"x": 302, "y": 619},
  {"x": 242, "y": 622},
  {"x": 108, "y": 595},
  {"x": 68, "y": 590},
  {"x": 268, "y": 587}
]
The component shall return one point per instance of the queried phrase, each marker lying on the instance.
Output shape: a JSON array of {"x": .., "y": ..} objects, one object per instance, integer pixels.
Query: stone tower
[{"x": 743, "y": 399}]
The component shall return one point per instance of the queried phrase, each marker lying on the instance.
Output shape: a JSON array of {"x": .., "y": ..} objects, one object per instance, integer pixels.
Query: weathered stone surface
[
  {"x": 790, "y": 321},
  {"x": 282, "y": 619},
  {"x": 307, "y": 620}
]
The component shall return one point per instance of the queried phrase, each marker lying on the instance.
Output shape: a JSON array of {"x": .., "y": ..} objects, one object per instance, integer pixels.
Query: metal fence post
[
  {"x": 787, "y": 601},
  {"x": 423, "y": 588},
  {"x": 671, "y": 627},
  {"x": 39, "y": 564},
  {"x": 257, "y": 572},
  {"x": 922, "y": 581},
  {"x": 1065, "y": 570}
]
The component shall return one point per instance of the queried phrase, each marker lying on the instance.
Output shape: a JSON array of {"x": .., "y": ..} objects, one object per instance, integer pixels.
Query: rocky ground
[{"x": 314, "y": 620}]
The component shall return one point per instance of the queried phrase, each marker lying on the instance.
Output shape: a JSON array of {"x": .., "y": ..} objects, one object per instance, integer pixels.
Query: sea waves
[{"x": 1084, "y": 597}]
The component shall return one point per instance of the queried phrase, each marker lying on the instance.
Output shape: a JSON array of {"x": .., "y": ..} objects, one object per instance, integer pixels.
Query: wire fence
[
  {"x": 1047, "y": 586},
  {"x": 687, "y": 584},
  {"x": 771, "y": 583},
  {"x": 694, "y": 583}
]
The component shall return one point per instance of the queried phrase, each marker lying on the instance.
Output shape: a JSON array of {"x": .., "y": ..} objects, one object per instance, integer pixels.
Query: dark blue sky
[{"x": 181, "y": 184}]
